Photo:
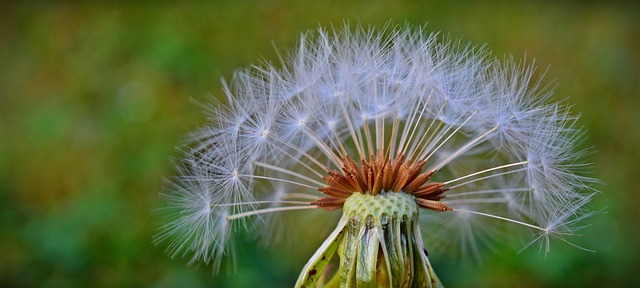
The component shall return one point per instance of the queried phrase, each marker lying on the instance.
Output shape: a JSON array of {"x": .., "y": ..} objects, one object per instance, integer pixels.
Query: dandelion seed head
[{"x": 382, "y": 112}]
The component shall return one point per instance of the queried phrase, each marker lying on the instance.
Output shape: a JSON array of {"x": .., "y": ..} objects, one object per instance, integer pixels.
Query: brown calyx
[{"x": 380, "y": 174}]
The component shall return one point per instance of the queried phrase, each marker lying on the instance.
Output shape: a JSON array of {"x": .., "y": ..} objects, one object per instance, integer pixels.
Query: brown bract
[{"x": 381, "y": 174}]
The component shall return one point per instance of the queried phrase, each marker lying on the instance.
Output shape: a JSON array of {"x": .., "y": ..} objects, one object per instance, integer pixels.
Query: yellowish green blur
[{"x": 94, "y": 98}]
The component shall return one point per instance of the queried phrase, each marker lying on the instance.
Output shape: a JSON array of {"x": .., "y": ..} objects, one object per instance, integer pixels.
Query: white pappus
[{"x": 466, "y": 137}]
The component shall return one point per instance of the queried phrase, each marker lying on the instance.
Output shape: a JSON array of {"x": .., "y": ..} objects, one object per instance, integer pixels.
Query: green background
[{"x": 94, "y": 98}]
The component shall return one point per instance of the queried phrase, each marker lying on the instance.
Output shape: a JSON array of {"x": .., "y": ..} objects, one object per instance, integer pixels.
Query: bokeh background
[{"x": 94, "y": 98}]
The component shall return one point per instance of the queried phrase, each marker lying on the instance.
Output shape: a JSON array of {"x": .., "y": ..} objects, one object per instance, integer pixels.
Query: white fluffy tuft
[{"x": 487, "y": 126}]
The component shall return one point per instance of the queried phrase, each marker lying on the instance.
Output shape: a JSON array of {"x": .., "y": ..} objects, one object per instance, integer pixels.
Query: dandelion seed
[{"x": 411, "y": 137}]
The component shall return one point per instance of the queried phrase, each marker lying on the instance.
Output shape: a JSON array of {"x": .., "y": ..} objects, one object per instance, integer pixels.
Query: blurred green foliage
[{"x": 94, "y": 98}]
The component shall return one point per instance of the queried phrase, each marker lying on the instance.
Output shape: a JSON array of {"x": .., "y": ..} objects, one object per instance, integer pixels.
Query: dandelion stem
[
  {"x": 447, "y": 139},
  {"x": 269, "y": 210},
  {"x": 465, "y": 148},
  {"x": 306, "y": 155},
  {"x": 287, "y": 171},
  {"x": 503, "y": 218},
  {"x": 302, "y": 163},
  {"x": 485, "y": 171},
  {"x": 299, "y": 196},
  {"x": 487, "y": 177},
  {"x": 259, "y": 202},
  {"x": 324, "y": 148},
  {"x": 280, "y": 180},
  {"x": 491, "y": 191},
  {"x": 413, "y": 130},
  {"x": 356, "y": 140}
]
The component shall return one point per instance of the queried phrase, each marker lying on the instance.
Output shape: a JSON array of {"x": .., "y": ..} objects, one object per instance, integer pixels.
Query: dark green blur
[{"x": 94, "y": 98}]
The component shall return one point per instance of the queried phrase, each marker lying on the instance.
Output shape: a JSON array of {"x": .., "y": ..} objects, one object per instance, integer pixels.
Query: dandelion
[{"x": 411, "y": 136}]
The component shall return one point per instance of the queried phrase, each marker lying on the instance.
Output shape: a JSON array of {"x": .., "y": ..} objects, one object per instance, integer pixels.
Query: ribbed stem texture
[{"x": 379, "y": 244}]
